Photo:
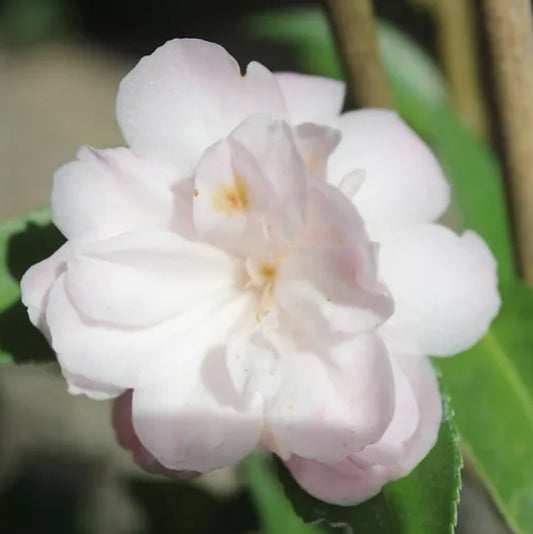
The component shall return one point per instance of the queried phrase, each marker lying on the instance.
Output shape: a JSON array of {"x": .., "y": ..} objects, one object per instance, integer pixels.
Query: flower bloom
[{"x": 256, "y": 270}]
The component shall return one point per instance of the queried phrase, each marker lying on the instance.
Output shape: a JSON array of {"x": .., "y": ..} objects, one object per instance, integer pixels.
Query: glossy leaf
[
  {"x": 492, "y": 388},
  {"x": 275, "y": 511},
  {"x": 425, "y": 501},
  {"x": 23, "y": 242}
]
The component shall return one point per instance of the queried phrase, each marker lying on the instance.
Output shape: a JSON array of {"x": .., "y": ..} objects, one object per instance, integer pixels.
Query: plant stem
[
  {"x": 353, "y": 26},
  {"x": 510, "y": 32},
  {"x": 458, "y": 50}
]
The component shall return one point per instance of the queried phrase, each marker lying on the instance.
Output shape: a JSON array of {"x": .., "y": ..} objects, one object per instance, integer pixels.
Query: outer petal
[
  {"x": 105, "y": 192},
  {"x": 311, "y": 98},
  {"x": 187, "y": 95},
  {"x": 140, "y": 278},
  {"x": 193, "y": 419},
  {"x": 126, "y": 437},
  {"x": 404, "y": 181},
  {"x": 331, "y": 406},
  {"x": 406, "y": 442},
  {"x": 116, "y": 356},
  {"x": 417, "y": 416},
  {"x": 37, "y": 282},
  {"x": 78, "y": 384},
  {"x": 444, "y": 287}
]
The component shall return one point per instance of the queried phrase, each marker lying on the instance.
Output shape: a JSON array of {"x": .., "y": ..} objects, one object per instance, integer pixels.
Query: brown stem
[
  {"x": 510, "y": 32},
  {"x": 353, "y": 25},
  {"x": 458, "y": 49}
]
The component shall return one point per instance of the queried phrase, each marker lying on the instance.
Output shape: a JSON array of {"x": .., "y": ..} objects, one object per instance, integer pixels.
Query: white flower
[{"x": 219, "y": 277}]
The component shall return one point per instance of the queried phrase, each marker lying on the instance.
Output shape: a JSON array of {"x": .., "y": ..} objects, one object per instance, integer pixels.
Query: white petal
[
  {"x": 417, "y": 416},
  {"x": 273, "y": 146},
  {"x": 329, "y": 279},
  {"x": 140, "y": 278},
  {"x": 37, "y": 282},
  {"x": 229, "y": 199},
  {"x": 311, "y": 98},
  {"x": 116, "y": 356},
  {"x": 332, "y": 485},
  {"x": 404, "y": 181},
  {"x": 405, "y": 443},
  {"x": 193, "y": 419},
  {"x": 444, "y": 287},
  {"x": 187, "y": 95},
  {"x": 253, "y": 362},
  {"x": 78, "y": 385},
  {"x": 326, "y": 410},
  {"x": 105, "y": 192},
  {"x": 316, "y": 144}
]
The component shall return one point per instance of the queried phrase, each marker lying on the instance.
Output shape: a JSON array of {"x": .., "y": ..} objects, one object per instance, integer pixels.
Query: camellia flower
[{"x": 256, "y": 270}]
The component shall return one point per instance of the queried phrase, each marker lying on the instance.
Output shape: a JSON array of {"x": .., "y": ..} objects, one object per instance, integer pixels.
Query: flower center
[{"x": 262, "y": 278}]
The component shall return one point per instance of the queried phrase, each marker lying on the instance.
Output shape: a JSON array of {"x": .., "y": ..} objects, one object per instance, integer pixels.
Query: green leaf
[
  {"x": 275, "y": 511},
  {"x": 24, "y": 241},
  {"x": 492, "y": 388},
  {"x": 420, "y": 96},
  {"x": 423, "y": 502}
]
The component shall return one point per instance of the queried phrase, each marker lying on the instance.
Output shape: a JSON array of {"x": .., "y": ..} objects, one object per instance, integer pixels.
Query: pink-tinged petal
[
  {"x": 316, "y": 144},
  {"x": 80, "y": 385},
  {"x": 245, "y": 185},
  {"x": 192, "y": 419},
  {"x": 230, "y": 192},
  {"x": 404, "y": 181},
  {"x": 272, "y": 145},
  {"x": 410, "y": 436},
  {"x": 141, "y": 278},
  {"x": 254, "y": 364},
  {"x": 329, "y": 279},
  {"x": 444, "y": 287},
  {"x": 311, "y": 98},
  {"x": 37, "y": 282},
  {"x": 416, "y": 421},
  {"x": 328, "y": 407},
  {"x": 116, "y": 356},
  {"x": 106, "y": 192},
  {"x": 331, "y": 484},
  {"x": 189, "y": 94},
  {"x": 127, "y": 438}
]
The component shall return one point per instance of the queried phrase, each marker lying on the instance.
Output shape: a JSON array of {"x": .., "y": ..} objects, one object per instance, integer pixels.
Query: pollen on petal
[
  {"x": 313, "y": 164},
  {"x": 233, "y": 198}
]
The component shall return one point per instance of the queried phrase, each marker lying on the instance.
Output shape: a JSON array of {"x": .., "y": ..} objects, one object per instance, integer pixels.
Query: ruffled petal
[
  {"x": 327, "y": 407},
  {"x": 230, "y": 193},
  {"x": 103, "y": 353},
  {"x": 187, "y": 95},
  {"x": 316, "y": 144},
  {"x": 106, "y": 192},
  {"x": 444, "y": 287},
  {"x": 410, "y": 436},
  {"x": 192, "y": 418},
  {"x": 329, "y": 279},
  {"x": 327, "y": 483},
  {"x": 311, "y": 98},
  {"x": 416, "y": 421},
  {"x": 37, "y": 282},
  {"x": 141, "y": 278},
  {"x": 403, "y": 180},
  {"x": 127, "y": 438}
]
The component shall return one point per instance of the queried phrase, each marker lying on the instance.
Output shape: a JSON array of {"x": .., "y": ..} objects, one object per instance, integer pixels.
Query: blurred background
[{"x": 60, "y": 65}]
